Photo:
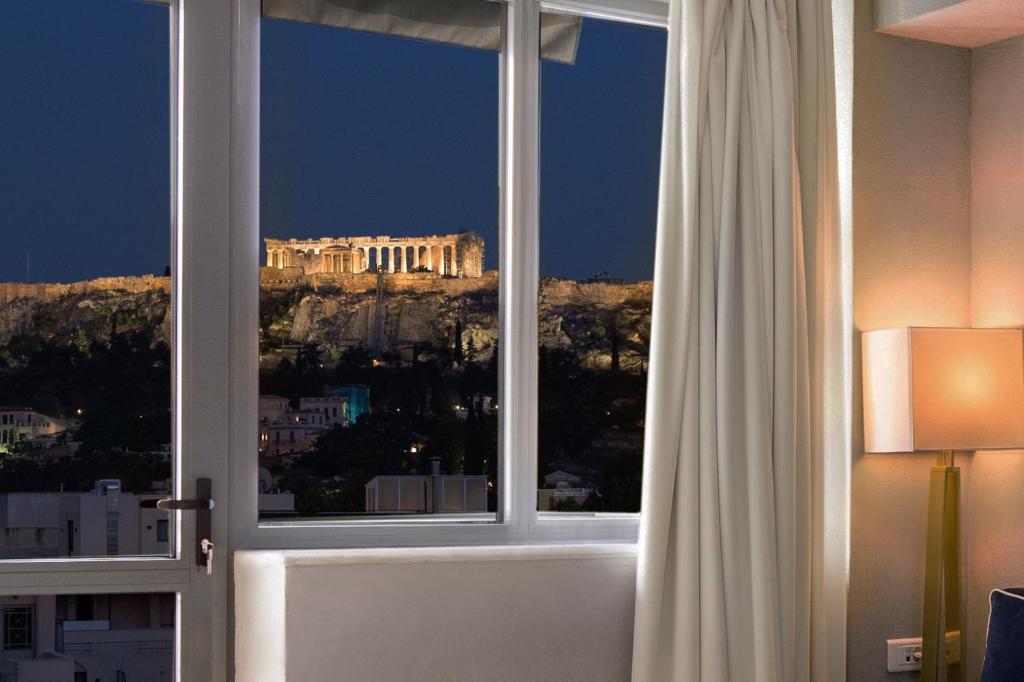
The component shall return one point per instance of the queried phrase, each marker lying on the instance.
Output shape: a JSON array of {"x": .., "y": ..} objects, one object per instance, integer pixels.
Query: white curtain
[{"x": 742, "y": 569}]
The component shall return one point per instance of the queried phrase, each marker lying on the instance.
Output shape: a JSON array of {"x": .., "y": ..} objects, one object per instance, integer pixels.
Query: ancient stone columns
[{"x": 457, "y": 255}]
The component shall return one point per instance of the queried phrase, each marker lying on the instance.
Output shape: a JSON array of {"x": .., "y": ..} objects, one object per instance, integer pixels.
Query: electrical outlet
[{"x": 905, "y": 654}]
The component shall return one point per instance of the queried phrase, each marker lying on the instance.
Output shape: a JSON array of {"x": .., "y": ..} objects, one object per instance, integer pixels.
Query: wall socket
[{"x": 904, "y": 655}]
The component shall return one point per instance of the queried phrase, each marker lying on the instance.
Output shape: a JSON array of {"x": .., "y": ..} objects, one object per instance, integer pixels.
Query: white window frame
[
  {"x": 518, "y": 520},
  {"x": 201, "y": 61}
]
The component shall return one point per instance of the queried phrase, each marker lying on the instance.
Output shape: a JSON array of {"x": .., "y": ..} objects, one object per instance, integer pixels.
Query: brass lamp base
[{"x": 941, "y": 640}]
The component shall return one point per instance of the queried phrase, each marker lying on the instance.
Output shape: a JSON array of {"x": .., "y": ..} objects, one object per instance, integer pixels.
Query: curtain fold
[{"x": 747, "y": 386}]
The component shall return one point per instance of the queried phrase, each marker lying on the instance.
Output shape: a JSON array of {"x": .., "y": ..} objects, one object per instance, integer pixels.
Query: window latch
[{"x": 203, "y": 506}]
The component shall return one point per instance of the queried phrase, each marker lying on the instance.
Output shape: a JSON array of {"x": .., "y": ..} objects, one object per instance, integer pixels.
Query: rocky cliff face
[
  {"x": 594, "y": 320},
  {"x": 84, "y": 312}
]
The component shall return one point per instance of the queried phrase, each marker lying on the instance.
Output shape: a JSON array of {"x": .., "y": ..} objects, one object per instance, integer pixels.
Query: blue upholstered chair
[{"x": 1004, "y": 650}]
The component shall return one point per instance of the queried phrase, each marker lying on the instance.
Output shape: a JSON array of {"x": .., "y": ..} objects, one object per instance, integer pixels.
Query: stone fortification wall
[
  {"x": 283, "y": 279},
  {"x": 560, "y": 292},
  {"x": 44, "y": 292}
]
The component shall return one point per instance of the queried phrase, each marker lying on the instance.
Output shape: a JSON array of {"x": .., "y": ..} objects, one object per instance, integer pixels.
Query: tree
[
  {"x": 474, "y": 456},
  {"x": 458, "y": 355},
  {"x": 344, "y": 459},
  {"x": 613, "y": 336}
]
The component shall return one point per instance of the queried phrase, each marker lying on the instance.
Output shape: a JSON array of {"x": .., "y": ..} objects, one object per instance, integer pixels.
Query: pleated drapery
[{"x": 740, "y": 559}]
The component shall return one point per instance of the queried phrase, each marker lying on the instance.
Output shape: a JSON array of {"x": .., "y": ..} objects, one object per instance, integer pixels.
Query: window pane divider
[{"x": 520, "y": 267}]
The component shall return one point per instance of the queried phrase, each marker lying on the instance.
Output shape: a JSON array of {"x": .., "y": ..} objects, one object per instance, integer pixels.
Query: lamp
[{"x": 943, "y": 390}]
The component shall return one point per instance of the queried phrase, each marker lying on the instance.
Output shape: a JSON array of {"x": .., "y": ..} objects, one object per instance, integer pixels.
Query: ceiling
[{"x": 964, "y": 23}]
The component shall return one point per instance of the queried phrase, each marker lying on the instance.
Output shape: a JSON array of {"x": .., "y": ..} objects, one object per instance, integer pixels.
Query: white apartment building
[
  {"x": 294, "y": 432},
  {"x": 434, "y": 494},
  {"x": 19, "y": 424},
  {"x": 273, "y": 408},
  {"x": 103, "y": 522}
]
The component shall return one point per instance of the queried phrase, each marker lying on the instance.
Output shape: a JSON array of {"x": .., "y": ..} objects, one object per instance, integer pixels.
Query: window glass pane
[
  {"x": 379, "y": 290},
  {"x": 599, "y": 163},
  {"x": 85, "y": 310},
  {"x": 105, "y": 637}
]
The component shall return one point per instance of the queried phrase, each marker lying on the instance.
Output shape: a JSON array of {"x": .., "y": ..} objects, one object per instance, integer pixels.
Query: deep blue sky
[{"x": 361, "y": 134}]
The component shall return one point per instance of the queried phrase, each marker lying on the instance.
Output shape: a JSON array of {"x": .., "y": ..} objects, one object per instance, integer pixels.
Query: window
[
  {"x": 111, "y": 198},
  {"x": 19, "y": 628},
  {"x": 429, "y": 365},
  {"x": 162, "y": 528},
  {"x": 378, "y": 286},
  {"x": 85, "y": 291},
  {"x": 600, "y": 131}
]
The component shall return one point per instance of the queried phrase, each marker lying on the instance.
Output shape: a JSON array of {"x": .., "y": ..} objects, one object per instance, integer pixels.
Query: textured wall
[
  {"x": 911, "y": 186},
  {"x": 993, "y": 504},
  {"x": 997, "y": 177}
]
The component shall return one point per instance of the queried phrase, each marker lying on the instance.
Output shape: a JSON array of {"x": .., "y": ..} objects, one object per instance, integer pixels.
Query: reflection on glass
[
  {"x": 378, "y": 291},
  {"x": 85, "y": 368},
  {"x": 600, "y": 137},
  {"x": 91, "y": 637}
]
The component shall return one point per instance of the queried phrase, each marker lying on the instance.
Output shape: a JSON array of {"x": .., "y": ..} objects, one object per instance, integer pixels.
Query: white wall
[
  {"x": 993, "y": 507},
  {"x": 912, "y": 266},
  {"x": 997, "y": 184},
  {"x": 485, "y": 613},
  {"x": 938, "y": 240}
]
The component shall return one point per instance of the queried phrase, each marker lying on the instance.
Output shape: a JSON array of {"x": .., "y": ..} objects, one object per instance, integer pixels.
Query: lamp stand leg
[{"x": 941, "y": 636}]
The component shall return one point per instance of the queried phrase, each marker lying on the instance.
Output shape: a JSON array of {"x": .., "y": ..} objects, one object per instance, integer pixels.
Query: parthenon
[{"x": 454, "y": 255}]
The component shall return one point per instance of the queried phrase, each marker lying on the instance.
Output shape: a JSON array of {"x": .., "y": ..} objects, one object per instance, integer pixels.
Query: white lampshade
[{"x": 928, "y": 389}]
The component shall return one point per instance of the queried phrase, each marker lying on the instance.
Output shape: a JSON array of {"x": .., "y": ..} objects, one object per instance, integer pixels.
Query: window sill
[{"x": 552, "y": 530}]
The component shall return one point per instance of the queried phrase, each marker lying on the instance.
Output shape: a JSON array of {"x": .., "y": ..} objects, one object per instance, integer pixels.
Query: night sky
[{"x": 361, "y": 135}]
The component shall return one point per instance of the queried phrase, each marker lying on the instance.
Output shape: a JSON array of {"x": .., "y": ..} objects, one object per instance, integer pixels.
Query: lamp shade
[{"x": 929, "y": 389}]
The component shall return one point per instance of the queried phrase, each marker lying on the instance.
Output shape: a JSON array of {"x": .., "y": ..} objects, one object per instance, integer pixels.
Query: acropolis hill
[{"x": 389, "y": 312}]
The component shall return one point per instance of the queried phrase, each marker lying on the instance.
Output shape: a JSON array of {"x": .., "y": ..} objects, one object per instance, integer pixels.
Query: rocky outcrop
[
  {"x": 389, "y": 314},
  {"x": 84, "y": 312}
]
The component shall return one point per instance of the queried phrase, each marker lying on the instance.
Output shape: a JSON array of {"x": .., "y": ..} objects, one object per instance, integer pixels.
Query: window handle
[
  {"x": 203, "y": 506},
  {"x": 171, "y": 504}
]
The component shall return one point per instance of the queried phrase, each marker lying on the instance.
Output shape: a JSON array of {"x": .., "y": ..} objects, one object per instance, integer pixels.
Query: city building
[
  {"x": 434, "y": 494},
  {"x": 357, "y": 397},
  {"x": 483, "y": 404},
  {"x": 106, "y": 521},
  {"x": 561, "y": 487},
  {"x": 334, "y": 408},
  {"x": 272, "y": 408},
  {"x": 295, "y": 431},
  {"x": 561, "y": 479},
  {"x": 284, "y": 430},
  {"x": 88, "y": 638},
  {"x": 19, "y": 424}
]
